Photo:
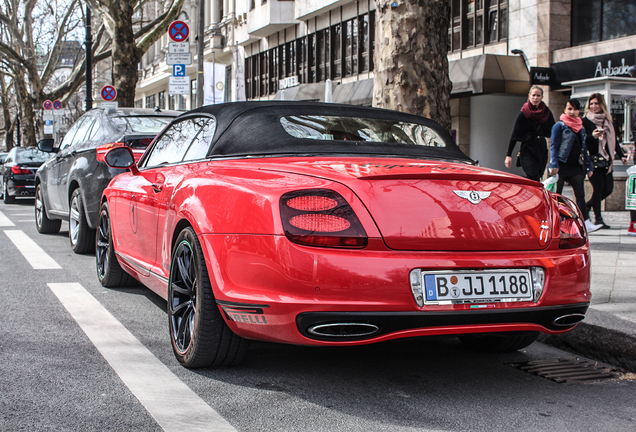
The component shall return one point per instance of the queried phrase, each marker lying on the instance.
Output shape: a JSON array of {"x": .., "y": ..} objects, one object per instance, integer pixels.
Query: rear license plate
[{"x": 477, "y": 286}]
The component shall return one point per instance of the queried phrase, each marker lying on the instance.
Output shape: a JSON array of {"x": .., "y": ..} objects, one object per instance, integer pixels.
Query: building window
[
  {"x": 150, "y": 101},
  {"x": 162, "y": 100},
  {"x": 599, "y": 20},
  {"x": 477, "y": 22},
  {"x": 344, "y": 49},
  {"x": 139, "y": 103}
]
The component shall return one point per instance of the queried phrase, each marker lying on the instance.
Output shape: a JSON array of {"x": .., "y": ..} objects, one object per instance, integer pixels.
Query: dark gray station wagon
[{"x": 69, "y": 185}]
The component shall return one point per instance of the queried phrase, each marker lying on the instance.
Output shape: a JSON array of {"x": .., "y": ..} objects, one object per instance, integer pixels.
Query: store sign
[
  {"x": 542, "y": 76},
  {"x": 616, "y": 64},
  {"x": 609, "y": 70},
  {"x": 288, "y": 82}
]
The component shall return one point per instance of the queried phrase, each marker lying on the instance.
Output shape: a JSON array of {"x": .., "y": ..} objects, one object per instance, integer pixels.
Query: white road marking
[
  {"x": 33, "y": 253},
  {"x": 172, "y": 404},
  {"x": 4, "y": 221}
]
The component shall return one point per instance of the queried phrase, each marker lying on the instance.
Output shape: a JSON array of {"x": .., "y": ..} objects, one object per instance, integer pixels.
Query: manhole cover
[{"x": 567, "y": 371}]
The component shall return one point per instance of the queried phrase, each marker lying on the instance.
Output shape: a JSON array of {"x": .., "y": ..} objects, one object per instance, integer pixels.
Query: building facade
[{"x": 312, "y": 49}]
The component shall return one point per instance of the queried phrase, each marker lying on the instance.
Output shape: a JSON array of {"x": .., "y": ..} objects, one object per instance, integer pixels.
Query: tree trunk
[
  {"x": 126, "y": 56},
  {"x": 411, "y": 68},
  {"x": 6, "y": 114},
  {"x": 25, "y": 100}
]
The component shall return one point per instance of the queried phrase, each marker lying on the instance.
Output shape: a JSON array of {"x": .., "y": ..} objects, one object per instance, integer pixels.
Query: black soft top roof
[{"x": 254, "y": 129}]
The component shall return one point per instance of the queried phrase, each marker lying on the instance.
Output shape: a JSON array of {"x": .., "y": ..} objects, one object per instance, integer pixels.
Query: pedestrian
[
  {"x": 632, "y": 224},
  {"x": 602, "y": 144},
  {"x": 532, "y": 125},
  {"x": 569, "y": 157}
]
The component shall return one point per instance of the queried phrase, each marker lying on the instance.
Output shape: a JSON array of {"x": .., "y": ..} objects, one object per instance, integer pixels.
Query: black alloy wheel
[
  {"x": 42, "y": 221},
  {"x": 5, "y": 195},
  {"x": 199, "y": 336},
  {"x": 81, "y": 236},
  {"x": 109, "y": 272}
]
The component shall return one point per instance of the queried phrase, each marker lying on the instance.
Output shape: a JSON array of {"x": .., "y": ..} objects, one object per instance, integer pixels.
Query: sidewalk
[{"x": 608, "y": 332}]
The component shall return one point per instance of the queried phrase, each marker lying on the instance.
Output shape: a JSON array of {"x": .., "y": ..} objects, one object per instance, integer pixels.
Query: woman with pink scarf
[
  {"x": 602, "y": 144},
  {"x": 569, "y": 157}
]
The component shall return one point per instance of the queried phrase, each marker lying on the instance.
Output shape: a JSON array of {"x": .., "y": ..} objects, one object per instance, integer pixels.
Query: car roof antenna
[{"x": 157, "y": 109}]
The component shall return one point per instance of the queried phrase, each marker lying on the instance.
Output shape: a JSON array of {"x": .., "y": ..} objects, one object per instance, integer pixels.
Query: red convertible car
[{"x": 325, "y": 224}]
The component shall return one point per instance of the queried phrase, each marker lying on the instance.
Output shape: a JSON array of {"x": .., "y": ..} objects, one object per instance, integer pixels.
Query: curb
[{"x": 603, "y": 344}]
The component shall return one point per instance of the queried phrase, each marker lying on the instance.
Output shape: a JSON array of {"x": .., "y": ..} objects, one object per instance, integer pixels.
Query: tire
[
  {"x": 109, "y": 272},
  {"x": 81, "y": 236},
  {"x": 5, "y": 195},
  {"x": 499, "y": 342},
  {"x": 42, "y": 221},
  {"x": 199, "y": 336}
]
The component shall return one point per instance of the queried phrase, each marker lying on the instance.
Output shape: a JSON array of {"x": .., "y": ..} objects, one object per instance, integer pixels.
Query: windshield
[
  {"x": 31, "y": 155},
  {"x": 329, "y": 128},
  {"x": 140, "y": 124}
]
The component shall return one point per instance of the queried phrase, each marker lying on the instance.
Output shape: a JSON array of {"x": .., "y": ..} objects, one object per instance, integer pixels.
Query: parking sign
[{"x": 179, "y": 70}]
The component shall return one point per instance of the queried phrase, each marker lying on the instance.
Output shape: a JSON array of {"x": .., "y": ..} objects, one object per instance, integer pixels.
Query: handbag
[
  {"x": 599, "y": 161},
  {"x": 519, "y": 159}
]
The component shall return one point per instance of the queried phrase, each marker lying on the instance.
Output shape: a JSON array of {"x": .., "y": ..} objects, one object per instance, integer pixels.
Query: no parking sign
[
  {"x": 178, "y": 31},
  {"x": 109, "y": 93}
]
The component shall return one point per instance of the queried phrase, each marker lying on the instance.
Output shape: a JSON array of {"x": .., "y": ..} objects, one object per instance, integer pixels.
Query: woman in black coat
[
  {"x": 602, "y": 143},
  {"x": 532, "y": 125}
]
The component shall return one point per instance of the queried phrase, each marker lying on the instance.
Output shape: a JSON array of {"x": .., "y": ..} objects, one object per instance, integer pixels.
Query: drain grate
[{"x": 566, "y": 371}]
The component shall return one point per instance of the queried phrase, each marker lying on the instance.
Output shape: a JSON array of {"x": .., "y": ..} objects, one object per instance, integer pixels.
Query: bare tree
[
  {"x": 128, "y": 46},
  {"x": 411, "y": 67}
]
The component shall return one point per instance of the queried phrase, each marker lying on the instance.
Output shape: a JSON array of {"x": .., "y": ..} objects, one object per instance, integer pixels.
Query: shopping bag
[
  {"x": 550, "y": 183},
  {"x": 630, "y": 189}
]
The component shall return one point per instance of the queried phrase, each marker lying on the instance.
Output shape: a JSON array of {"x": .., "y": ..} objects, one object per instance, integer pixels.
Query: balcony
[{"x": 268, "y": 18}]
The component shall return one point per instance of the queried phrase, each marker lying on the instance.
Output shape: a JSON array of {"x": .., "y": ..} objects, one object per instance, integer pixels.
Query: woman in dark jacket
[
  {"x": 602, "y": 143},
  {"x": 569, "y": 157},
  {"x": 532, "y": 125}
]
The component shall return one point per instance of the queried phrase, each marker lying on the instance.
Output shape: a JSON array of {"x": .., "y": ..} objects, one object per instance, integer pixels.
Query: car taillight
[
  {"x": 101, "y": 150},
  {"x": 321, "y": 217},
  {"x": 572, "y": 227},
  {"x": 20, "y": 170}
]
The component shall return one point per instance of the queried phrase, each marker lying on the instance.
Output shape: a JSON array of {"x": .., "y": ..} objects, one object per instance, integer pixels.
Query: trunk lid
[{"x": 441, "y": 206}]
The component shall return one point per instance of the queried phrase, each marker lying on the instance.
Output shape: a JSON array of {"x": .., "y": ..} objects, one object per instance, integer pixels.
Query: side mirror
[
  {"x": 46, "y": 145},
  {"x": 122, "y": 158}
]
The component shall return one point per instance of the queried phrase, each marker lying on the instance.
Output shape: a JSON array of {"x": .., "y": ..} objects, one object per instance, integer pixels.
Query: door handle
[{"x": 157, "y": 187}]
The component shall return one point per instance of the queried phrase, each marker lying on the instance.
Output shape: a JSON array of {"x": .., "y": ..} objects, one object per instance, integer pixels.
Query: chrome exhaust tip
[
  {"x": 343, "y": 330},
  {"x": 568, "y": 320}
]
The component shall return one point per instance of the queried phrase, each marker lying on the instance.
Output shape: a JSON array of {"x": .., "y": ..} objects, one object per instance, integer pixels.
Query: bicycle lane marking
[
  {"x": 4, "y": 221},
  {"x": 33, "y": 253},
  {"x": 171, "y": 403}
]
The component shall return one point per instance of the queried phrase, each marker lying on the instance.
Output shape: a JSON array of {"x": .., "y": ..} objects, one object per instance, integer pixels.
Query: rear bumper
[
  {"x": 20, "y": 188},
  {"x": 549, "y": 318},
  {"x": 270, "y": 289}
]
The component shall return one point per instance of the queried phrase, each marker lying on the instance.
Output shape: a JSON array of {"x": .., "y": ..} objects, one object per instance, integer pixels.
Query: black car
[
  {"x": 18, "y": 172},
  {"x": 69, "y": 186}
]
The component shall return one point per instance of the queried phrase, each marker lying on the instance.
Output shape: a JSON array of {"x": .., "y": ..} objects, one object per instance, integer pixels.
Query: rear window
[
  {"x": 32, "y": 155},
  {"x": 355, "y": 129},
  {"x": 140, "y": 124}
]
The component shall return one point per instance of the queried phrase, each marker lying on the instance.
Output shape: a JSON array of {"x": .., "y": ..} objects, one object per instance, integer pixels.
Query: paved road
[{"x": 75, "y": 356}]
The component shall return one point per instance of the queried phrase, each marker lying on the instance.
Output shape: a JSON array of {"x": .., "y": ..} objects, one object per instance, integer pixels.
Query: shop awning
[
  {"x": 489, "y": 73},
  {"x": 354, "y": 93}
]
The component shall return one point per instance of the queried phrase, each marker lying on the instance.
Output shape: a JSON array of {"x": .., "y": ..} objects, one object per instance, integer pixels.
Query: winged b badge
[{"x": 474, "y": 197}]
